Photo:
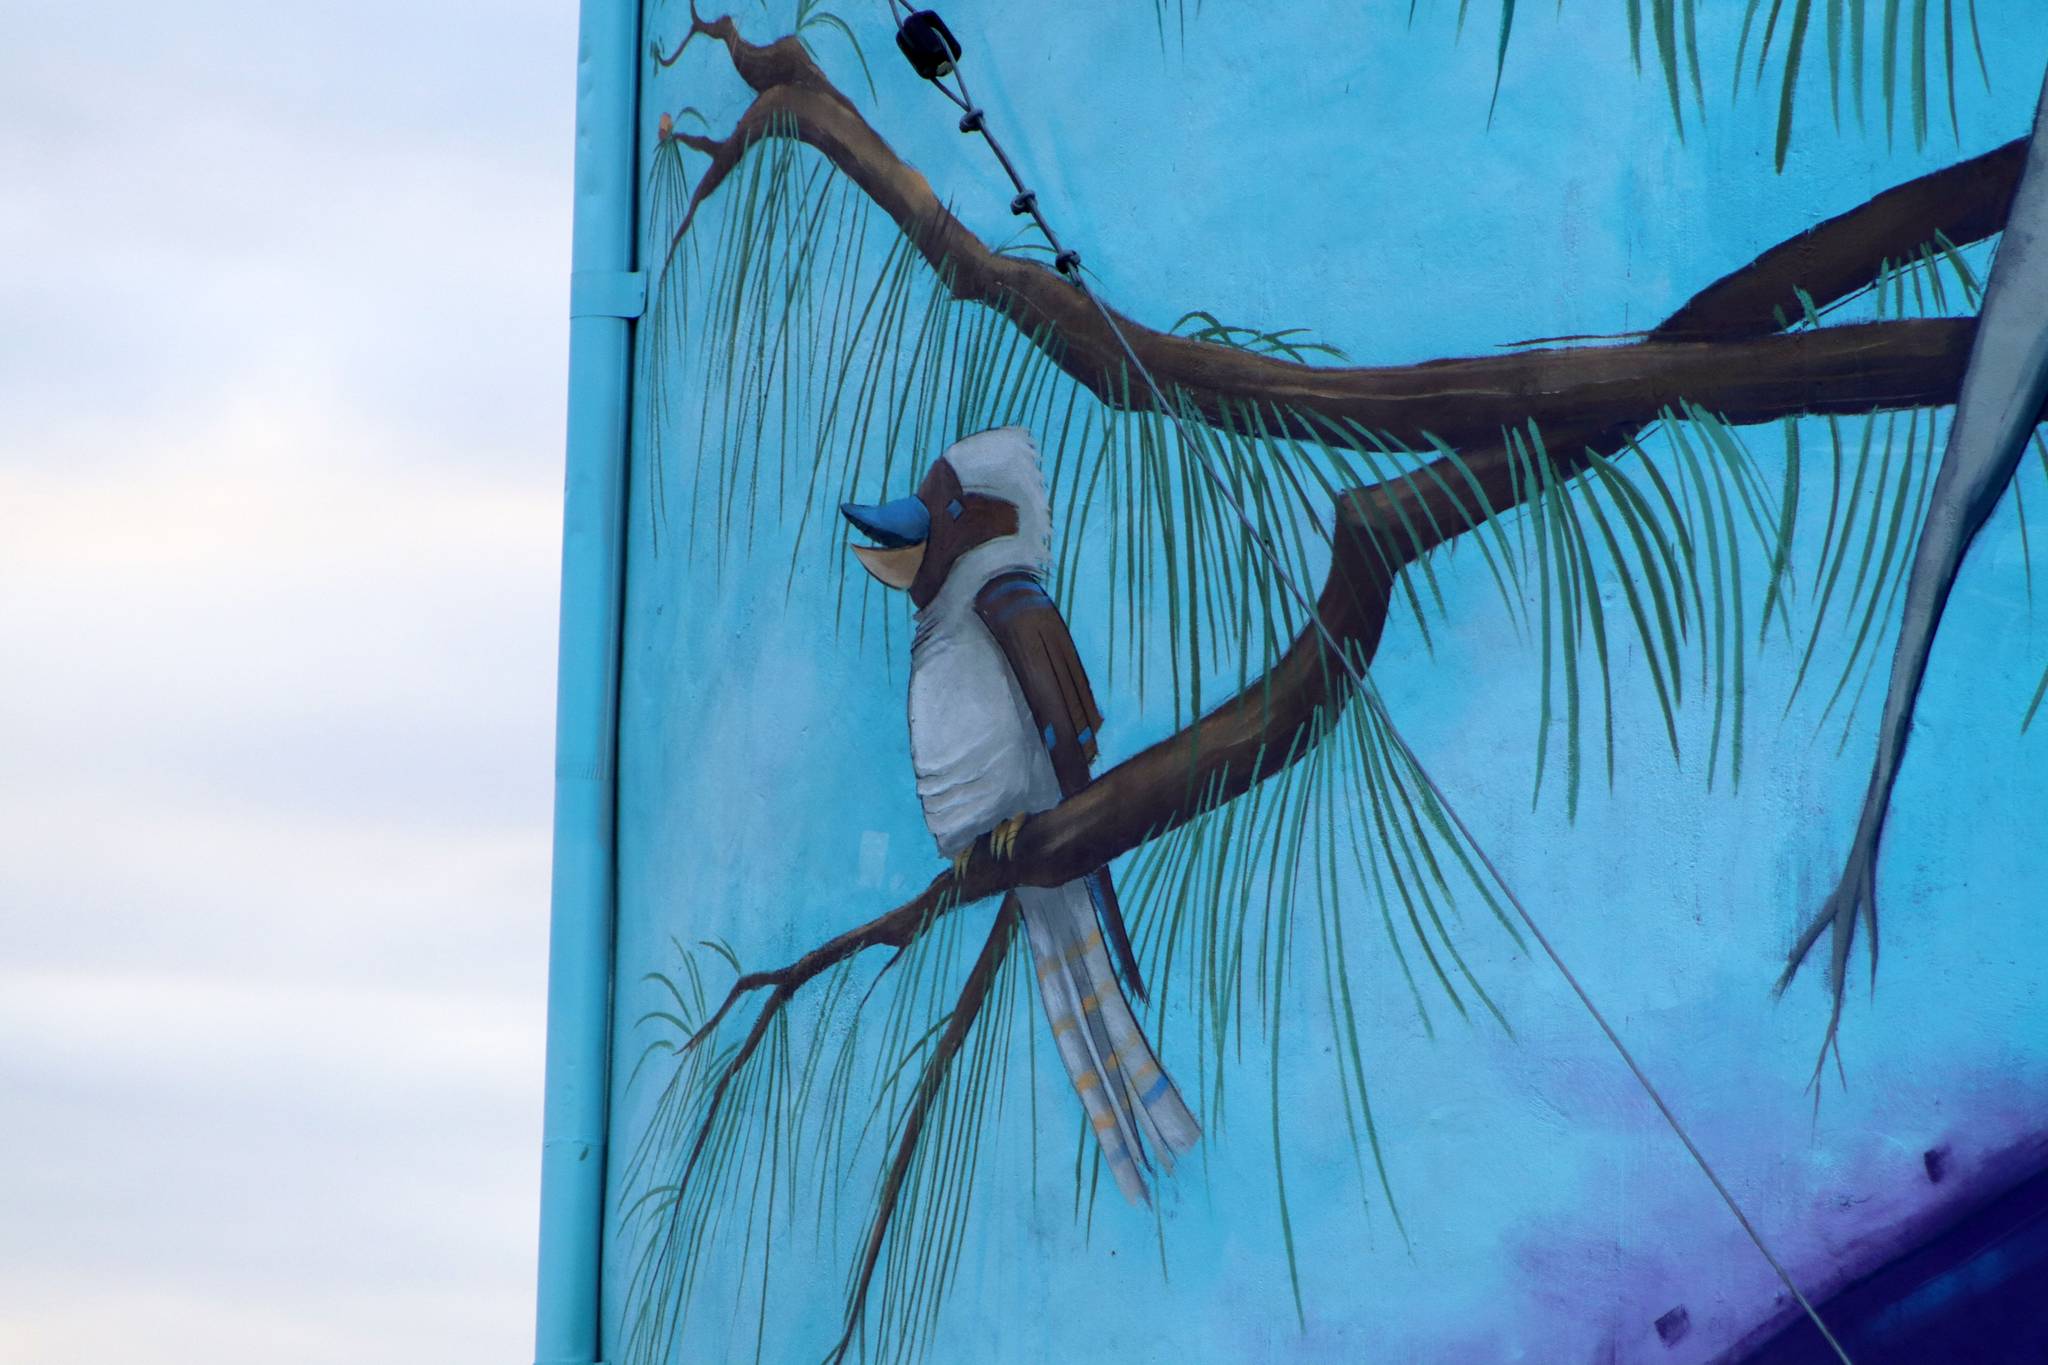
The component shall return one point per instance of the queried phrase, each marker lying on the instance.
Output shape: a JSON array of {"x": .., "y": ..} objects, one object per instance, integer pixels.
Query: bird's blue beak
[
  {"x": 890, "y": 525},
  {"x": 899, "y": 530}
]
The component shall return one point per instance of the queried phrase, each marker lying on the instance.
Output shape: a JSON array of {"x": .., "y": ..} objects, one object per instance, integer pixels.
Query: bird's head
[{"x": 980, "y": 511}]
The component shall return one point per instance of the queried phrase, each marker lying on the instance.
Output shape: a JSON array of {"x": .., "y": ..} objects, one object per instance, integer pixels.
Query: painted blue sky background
[
  {"x": 280, "y": 387},
  {"x": 1320, "y": 167}
]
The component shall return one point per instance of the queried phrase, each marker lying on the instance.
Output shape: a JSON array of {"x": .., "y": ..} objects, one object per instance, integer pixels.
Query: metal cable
[{"x": 974, "y": 120}]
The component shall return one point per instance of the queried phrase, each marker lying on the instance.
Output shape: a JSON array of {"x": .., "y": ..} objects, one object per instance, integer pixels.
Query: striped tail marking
[{"x": 1132, "y": 1105}]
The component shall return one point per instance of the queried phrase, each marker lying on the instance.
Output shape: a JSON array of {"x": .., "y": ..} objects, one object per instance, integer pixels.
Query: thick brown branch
[
  {"x": 1712, "y": 352},
  {"x": 1722, "y": 350},
  {"x": 1379, "y": 530},
  {"x": 1965, "y": 202},
  {"x": 1718, "y": 350}
]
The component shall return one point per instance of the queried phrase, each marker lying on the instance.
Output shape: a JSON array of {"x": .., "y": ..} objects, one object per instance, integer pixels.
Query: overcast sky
[{"x": 281, "y": 389}]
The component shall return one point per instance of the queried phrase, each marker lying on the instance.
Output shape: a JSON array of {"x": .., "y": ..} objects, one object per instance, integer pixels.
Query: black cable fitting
[
  {"x": 971, "y": 121},
  {"x": 1068, "y": 262},
  {"x": 1024, "y": 203},
  {"x": 928, "y": 43}
]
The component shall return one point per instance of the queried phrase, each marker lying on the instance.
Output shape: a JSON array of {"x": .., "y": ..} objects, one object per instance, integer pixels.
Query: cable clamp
[
  {"x": 1027, "y": 202},
  {"x": 1068, "y": 262},
  {"x": 929, "y": 45},
  {"x": 971, "y": 121}
]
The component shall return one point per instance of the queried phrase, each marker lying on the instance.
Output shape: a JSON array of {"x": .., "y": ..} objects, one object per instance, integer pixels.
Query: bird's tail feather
[{"x": 1133, "y": 1106}]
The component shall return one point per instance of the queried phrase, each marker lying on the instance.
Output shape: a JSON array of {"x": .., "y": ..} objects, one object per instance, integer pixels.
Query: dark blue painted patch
[{"x": 1973, "y": 1293}]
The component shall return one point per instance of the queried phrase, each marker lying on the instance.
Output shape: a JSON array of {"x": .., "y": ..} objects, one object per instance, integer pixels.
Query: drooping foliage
[{"x": 823, "y": 359}]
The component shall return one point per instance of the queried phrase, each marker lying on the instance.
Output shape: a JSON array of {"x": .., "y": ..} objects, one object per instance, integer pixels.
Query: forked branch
[
  {"x": 1719, "y": 350},
  {"x": 1725, "y": 350},
  {"x": 894, "y": 930}
]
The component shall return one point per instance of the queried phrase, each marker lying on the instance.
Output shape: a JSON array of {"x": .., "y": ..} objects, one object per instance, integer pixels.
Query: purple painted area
[
  {"x": 1972, "y": 1292},
  {"x": 1901, "y": 1265}
]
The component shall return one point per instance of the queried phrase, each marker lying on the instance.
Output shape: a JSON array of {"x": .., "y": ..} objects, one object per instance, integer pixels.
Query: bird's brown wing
[{"x": 1034, "y": 638}]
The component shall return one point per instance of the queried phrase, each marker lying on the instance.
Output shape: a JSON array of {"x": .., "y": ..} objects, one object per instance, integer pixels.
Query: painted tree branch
[
  {"x": 1595, "y": 398},
  {"x": 893, "y": 930},
  {"x": 967, "y": 1009},
  {"x": 1716, "y": 351},
  {"x": 1724, "y": 350}
]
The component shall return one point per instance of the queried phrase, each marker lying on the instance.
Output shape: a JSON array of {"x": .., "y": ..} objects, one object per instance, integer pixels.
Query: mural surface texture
[{"x": 1336, "y": 682}]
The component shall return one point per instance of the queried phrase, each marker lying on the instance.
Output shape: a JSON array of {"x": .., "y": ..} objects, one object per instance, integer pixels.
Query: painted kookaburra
[{"x": 1002, "y": 725}]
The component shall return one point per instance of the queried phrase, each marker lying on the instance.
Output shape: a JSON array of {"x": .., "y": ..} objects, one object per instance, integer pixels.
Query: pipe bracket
[{"x": 607, "y": 293}]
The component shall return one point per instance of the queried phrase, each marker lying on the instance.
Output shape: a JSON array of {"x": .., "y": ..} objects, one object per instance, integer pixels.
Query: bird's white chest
[{"x": 972, "y": 741}]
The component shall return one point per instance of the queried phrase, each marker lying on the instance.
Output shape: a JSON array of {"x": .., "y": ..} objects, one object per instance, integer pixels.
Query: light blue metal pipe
[{"x": 604, "y": 298}]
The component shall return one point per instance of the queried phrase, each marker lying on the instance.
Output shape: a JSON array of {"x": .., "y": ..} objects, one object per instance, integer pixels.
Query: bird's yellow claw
[
  {"x": 1002, "y": 841},
  {"x": 960, "y": 863}
]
